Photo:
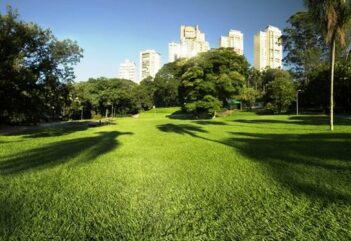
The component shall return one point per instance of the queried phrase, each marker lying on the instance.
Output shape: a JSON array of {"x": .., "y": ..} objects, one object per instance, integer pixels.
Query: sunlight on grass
[{"x": 241, "y": 177}]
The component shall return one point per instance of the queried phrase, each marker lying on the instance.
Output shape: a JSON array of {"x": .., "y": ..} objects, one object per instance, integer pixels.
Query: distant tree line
[
  {"x": 201, "y": 85},
  {"x": 104, "y": 97}
]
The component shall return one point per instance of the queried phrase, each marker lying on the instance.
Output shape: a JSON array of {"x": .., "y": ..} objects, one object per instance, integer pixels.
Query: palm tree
[{"x": 332, "y": 16}]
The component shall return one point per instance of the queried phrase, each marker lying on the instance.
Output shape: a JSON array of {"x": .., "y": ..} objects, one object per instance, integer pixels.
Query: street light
[
  {"x": 81, "y": 107},
  {"x": 297, "y": 101}
]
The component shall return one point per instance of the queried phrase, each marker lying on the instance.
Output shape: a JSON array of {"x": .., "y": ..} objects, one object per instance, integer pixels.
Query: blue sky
[{"x": 110, "y": 31}]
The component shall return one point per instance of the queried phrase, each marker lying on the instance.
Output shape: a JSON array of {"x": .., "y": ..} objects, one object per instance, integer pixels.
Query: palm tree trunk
[{"x": 332, "y": 65}]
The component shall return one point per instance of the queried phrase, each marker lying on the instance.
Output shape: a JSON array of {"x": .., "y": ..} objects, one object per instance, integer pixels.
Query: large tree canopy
[
  {"x": 107, "y": 97},
  {"x": 211, "y": 77},
  {"x": 280, "y": 90},
  {"x": 304, "y": 46},
  {"x": 34, "y": 70},
  {"x": 167, "y": 82}
]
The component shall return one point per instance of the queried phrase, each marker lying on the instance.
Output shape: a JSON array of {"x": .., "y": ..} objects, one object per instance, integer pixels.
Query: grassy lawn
[{"x": 243, "y": 177}]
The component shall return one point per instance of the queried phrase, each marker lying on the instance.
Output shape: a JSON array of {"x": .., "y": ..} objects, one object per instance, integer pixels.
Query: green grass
[{"x": 243, "y": 177}]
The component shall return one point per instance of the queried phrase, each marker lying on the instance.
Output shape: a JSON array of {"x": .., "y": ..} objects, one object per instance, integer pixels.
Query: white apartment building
[
  {"x": 127, "y": 70},
  {"x": 150, "y": 63},
  {"x": 173, "y": 52},
  {"x": 268, "y": 50},
  {"x": 235, "y": 40},
  {"x": 192, "y": 42}
]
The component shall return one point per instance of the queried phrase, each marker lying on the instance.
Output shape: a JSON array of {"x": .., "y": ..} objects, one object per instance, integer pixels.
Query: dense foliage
[
  {"x": 303, "y": 44},
  {"x": 310, "y": 45},
  {"x": 106, "y": 97},
  {"x": 167, "y": 82},
  {"x": 35, "y": 68},
  {"x": 202, "y": 85},
  {"x": 316, "y": 93},
  {"x": 280, "y": 90},
  {"x": 210, "y": 79}
]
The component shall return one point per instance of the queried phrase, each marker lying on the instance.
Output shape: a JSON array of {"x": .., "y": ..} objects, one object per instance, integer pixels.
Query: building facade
[
  {"x": 127, "y": 70},
  {"x": 235, "y": 40},
  {"x": 173, "y": 52},
  {"x": 192, "y": 42},
  {"x": 150, "y": 63},
  {"x": 268, "y": 49}
]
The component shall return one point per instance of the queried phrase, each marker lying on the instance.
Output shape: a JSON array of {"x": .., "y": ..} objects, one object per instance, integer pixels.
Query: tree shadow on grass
[
  {"x": 300, "y": 120},
  {"x": 61, "y": 152},
  {"x": 10, "y": 212},
  {"x": 315, "y": 165},
  {"x": 181, "y": 129},
  {"x": 207, "y": 122},
  {"x": 180, "y": 115},
  {"x": 58, "y": 129}
]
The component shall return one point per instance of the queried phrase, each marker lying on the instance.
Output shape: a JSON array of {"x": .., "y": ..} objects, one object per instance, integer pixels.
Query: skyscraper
[
  {"x": 235, "y": 40},
  {"x": 173, "y": 52},
  {"x": 127, "y": 70},
  {"x": 150, "y": 63},
  {"x": 268, "y": 50},
  {"x": 192, "y": 42}
]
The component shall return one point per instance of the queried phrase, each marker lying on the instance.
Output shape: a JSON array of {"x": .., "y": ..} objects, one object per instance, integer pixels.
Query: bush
[{"x": 207, "y": 107}]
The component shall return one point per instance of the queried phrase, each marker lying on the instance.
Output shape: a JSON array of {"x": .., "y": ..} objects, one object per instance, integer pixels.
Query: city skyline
[{"x": 109, "y": 37}]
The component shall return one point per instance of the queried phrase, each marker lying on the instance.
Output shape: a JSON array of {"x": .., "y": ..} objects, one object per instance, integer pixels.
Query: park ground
[{"x": 241, "y": 177}]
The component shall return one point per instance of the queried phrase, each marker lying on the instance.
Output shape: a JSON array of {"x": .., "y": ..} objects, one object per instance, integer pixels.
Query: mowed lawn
[{"x": 242, "y": 177}]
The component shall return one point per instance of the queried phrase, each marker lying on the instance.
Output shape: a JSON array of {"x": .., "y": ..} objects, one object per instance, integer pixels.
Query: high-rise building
[
  {"x": 127, "y": 70},
  {"x": 174, "y": 52},
  {"x": 150, "y": 63},
  {"x": 235, "y": 40},
  {"x": 192, "y": 42},
  {"x": 268, "y": 50}
]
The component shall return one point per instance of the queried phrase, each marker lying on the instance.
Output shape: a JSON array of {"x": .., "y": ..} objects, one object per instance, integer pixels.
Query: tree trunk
[{"x": 332, "y": 65}]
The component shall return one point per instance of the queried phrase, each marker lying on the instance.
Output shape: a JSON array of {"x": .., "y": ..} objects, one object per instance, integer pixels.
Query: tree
[
  {"x": 248, "y": 95},
  {"x": 254, "y": 79},
  {"x": 167, "y": 82},
  {"x": 303, "y": 44},
  {"x": 280, "y": 90},
  {"x": 145, "y": 93},
  {"x": 108, "y": 97},
  {"x": 316, "y": 92},
  {"x": 206, "y": 107},
  {"x": 332, "y": 16},
  {"x": 35, "y": 69},
  {"x": 217, "y": 75}
]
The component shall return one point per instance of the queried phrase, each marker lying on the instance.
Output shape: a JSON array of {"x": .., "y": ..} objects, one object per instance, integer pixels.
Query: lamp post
[
  {"x": 81, "y": 107},
  {"x": 297, "y": 101}
]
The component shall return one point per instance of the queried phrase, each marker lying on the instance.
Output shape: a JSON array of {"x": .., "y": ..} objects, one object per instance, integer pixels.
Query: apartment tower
[
  {"x": 192, "y": 42},
  {"x": 235, "y": 40},
  {"x": 268, "y": 50},
  {"x": 150, "y": 63},
  {"x": 127, "y": 70}
]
